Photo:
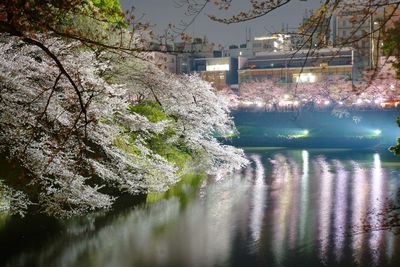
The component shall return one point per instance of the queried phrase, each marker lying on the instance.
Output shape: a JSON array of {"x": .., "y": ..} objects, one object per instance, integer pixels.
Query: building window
[
  {"x": 217, "y": 67},
  {"x": 304, "y": 78}
]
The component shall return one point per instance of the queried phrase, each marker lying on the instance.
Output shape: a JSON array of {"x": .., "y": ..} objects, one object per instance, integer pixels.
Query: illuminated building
[
  {"x": 268, "y": 43},
  {"x": 186, "y": 52},
  {"x": 301, "y": 66},
  {"x": 221, "y": 71}
]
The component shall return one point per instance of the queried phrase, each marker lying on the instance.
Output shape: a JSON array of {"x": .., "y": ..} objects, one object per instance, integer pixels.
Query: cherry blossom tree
[
  {"x": 328, "y": 92},
  {"x": 73, "y": 165},
  {"x": 270, "y": 94},
  {"x": 261, "y": 93}
]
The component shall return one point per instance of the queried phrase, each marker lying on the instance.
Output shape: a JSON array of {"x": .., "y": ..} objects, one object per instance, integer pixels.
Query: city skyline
[{"x": 161, "y": 13}]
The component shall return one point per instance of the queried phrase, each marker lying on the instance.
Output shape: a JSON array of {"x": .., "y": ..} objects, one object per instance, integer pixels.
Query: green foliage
[
  {"x": 65, "y": 18},
  {"x": 95, "y": 20},
  {"x": 109, "y": 6},
  {"x": 110, "y": 9},
  {"x": 183, "y": 190},
  {"x": 3, "y": 201},
  {"x": 391, "y": 48},
  {"x": 4, "y": 217},
  {"x": 151, "y": 110},
  {"x": 125, "y": 146},
  {"x": 396, "y": 149},
  {"x": 174, "y": 152},
  {"x": 106, "y": 11},
  {"x": 165, "y": 144}
]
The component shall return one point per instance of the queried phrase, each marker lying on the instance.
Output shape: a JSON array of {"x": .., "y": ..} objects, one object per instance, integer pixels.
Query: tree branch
[{"x": 63, "y": 71}]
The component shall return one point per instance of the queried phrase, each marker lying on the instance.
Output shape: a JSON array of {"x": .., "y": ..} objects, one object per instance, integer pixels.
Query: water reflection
[
  {"x": 377, "y": 202},
  {"x": 325, "y": 200},
  {"x": 259, "y": 199},
  {"x": 281, "y": 196},
  {"x": 288, "y": 208},
  {"x": 304, "y": 203},
  {"x": 359, "y": 207},
  {"x": 340, "y": 211}
]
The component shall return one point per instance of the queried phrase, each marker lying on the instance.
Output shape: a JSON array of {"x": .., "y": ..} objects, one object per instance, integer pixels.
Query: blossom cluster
[{"x": 69, "y": 155}]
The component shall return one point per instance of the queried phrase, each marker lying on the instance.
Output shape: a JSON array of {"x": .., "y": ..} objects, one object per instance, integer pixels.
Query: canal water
[
  {"x": 289, "y": 207},
  {"x": 319, "y": 129}
]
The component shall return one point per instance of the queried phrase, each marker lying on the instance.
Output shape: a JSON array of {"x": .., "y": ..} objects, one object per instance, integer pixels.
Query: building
[
  {"x": 314, "y": 35},
  {"x": 183, "y": 63},
  {"x": 163, "y": 60},
  {"x": 361, "y": 31},
  {"x": 273, "y": 43},
  {"x": 245, "y": 50},
  {"x": 301, "y": 66},
  {"x": 391, "y": 15},
  {"x": 187, "y": 52},
  {"x": 199, "y": 47},
  {"x": 268, "y": 43},
  {"x": 221, "y": 72}
]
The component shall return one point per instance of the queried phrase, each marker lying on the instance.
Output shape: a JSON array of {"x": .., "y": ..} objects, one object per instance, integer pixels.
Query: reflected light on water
[
  {"x": 359, "y": 208},
  {"x": 294, "y": 212},
  {"x": 259, "y": 191},
  {"x": 340, "y": 211},
  {"x": 377, "y": 202},
  {"x": 390, "y": 245},
  {"x": 297, "y": 209},
  {"x": 305, "y": 156},
  {"x": 282, "y": 183},
  {"x": 325, "y": 199}
]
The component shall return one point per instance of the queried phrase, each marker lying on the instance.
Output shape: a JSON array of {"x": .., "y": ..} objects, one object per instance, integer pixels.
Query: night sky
[{"x": 162, "y": 12}]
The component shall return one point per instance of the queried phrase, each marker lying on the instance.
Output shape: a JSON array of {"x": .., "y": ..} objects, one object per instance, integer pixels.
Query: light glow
[
  {"x": 377, "y": 202},
  {"x": 259, "y": 199},
  {"x": 305, "y": 78},
  {"x": 218, "y": 67},
  {"x": 377, "y": 132},
  {"x": 378, "y": 101}
]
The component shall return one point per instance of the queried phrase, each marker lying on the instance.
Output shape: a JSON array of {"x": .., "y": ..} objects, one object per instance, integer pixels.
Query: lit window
[
  {"x": 218, "y": 67},
  {"x": 305, "y": 78}
]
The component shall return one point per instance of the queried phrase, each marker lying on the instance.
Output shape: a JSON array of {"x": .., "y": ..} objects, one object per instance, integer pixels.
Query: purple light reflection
[{"x": 341, "y": 203}]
